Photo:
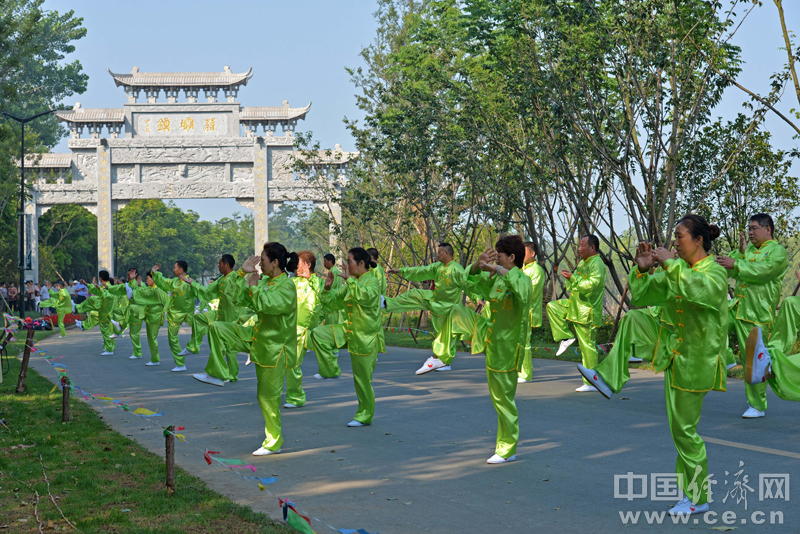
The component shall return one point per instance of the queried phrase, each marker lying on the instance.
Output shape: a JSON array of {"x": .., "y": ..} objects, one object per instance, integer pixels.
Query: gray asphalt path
[{"x": 421, "y": 467}]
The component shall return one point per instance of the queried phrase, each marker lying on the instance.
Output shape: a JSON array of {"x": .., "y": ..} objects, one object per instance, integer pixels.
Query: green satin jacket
[
  {"x": 225, "y": 288},
  {"x": 759, "y": 276},
  {"x": 449, "y": 280},
  {"x": 535, "y": 272},
  {"x": 61, "y": 301},
  {"x": 153, "y": 300},
  {"x": 93, "y": 303},
  {"x": 509, "y": 298},
  {"x": 309, "y": 302},
  {"x": 108, "y": 300},
  {"x": 360, "y": 298},
  {"x": 586, "y": 287},
  {"x": 337, "y": 282},
  {"x": 697, "y": 298},
  {"x": 181, "y": 305},
  {"x": 380, "y": 274},
  {"x": 274, "y": 334}
]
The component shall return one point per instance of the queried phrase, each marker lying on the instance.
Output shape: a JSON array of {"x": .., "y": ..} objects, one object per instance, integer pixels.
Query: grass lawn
[{"x": 103, "y": 481}]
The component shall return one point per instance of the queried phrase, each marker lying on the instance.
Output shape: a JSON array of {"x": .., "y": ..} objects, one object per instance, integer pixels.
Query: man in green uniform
[
  {"x": 758, "y": 269},
  {"x": 449, "y": 280},
  {"x": 534, "y": 271},
  {"x": 180, "y": 309},
  {"x": 107, "y": 306},
  {"x": 380, "y": 274},
  {"x": 152, "y": 300},
  {"x": 329, "y": 261},
  {"x": 62, "y": 302},
  {"x": 584, "y": 308}
]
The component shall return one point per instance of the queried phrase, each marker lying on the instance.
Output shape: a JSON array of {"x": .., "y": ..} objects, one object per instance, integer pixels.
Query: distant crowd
[{"x": 35, "y": 293}]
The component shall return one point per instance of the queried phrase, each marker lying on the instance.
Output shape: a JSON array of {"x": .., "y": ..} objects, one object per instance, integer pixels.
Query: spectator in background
[
  {"x": 30, "y": 295},
  {"x": 71, "y": 289},
  {"x": 44, "y": 294},
  {"x": 81, "y": 292},
  {"x": 13, "y": 293}
]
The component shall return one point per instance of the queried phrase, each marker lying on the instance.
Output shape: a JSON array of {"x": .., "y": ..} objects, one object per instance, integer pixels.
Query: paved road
[{"x": 421, "y": 466}]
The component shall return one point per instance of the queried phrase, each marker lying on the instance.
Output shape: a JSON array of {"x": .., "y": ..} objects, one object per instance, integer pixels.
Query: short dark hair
[
  {"x": 183, "y": 265},
  {"x": 765, "y": 221},
  {"x": 448, "y": 247},
  {"x": 592, "y": 241},
  {"x": 330, "y": 257},
  {"x": 103, "y": 275},
  {"x": 228, "y": 260},
  {"x": 512, "y": 244},
  {"x": 373, "y": 253},
  {"x": 149, "y": 275},
  {"x": 363, "y": 256},
  {"x": 530, "y": 245}
]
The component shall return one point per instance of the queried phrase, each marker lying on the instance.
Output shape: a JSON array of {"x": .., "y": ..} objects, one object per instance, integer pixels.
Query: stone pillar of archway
[
  {"x": 105, "y": 212},
  {"x": 260, "y": 194}
]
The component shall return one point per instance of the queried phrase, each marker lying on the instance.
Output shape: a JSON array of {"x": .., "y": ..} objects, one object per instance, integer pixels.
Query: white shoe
[
  {"x": 179, "y": 368},
  {"x": 757, "y": 360},
  {"x": 355, "y": 423},
  {"x": 60, "y": 336},
  {"x": 562, "y": 348},
  {"x": 113, "y": 336},
  {"x": 290, "y": 405},
  {"x": 79, "y": 324},
  {"x": 320, "y": 377},
  {"x": 134, "y": 357},
  {"x": 634, "y": 359},
  {"x": 521, "y": 380},
  {"x": 184, "y": 352},
  {"x": 445, "y": 368},
  {"x": 208, "y": 379},
  {"x": 687, "y": 507},
  {"x": 586, "y": 387},
  {"x": 753, "y": 413},
  {"x": 431, "y": 364},
  {"x": 106, "y": 353},
  {"x": 598, "y": 384},
  {"x": 497, "y": 459},
  {"x": 115, "y": 323},
  {"x": 153, "y": 363},
  {"x": 264, "y": 452}
]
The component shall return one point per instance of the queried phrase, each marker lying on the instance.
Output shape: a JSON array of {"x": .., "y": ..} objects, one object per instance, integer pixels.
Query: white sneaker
[
  {"x": 79, "y": 324},
  {"x": 753, "y": 413},
  {"x": 521, "y": 380},
  {"x": 355, "y": 423},
  {"x": 687, "y": 507},
  {"x": 60, "y": 336},
  {"x": 113, "y": 336},
  {"x": 115, "y": 323},
  {"x": 431, "y": 364},
  {"x": 445, "y": 368},
  {"x": 179, "y": 368},
  {"x": 497, "y": 459},
  {"x": 598, "y": 384},
  {"x": 135, "y": 357},
  {"x": 290, "y": 405},
  {"x": 184, "y": 352},
  {"x": 320, "y": 377},
  {"x": 586, "y": 387},
  {"x": 153, "y": 363},
  {"x": 264, "y": 452},
  {"x": 106, "y": 353},
  {"x": 208, "y": 379},
  {"x": 757, "y": 360},
  {"x": 562, "y": 348},
  {"x": 634, "y": 359}
]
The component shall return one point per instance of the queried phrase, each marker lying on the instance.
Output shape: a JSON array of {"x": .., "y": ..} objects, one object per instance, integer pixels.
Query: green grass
[{"x": 96, "y": 473}]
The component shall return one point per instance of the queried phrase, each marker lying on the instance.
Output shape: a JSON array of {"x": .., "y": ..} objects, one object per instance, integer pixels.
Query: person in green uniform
[
  {"x": 272, "y": 341},
  {"x": 180, "y": 308},
  {"x": 534, "y": 271},
  {"x": 62, "y": 302},
  {"x": 329, "y": 262},
  {"x": 90, "y": 307},
  {"x": 584, "y": 308},
  {"x": 758, "y": 269},
  {"x": 134, "y": 312},
  {"x": 449, "y": 280},
  {"x": 309, "y": 311},
  {"x": 107, "y": 306},
  {"x": 380, "y": 274},
  {"x": 501, "y": 333},
  {"x": 694, "y": 290},
  {"x": 360, "y": 297},
  {"x": 152, "y": 300}
]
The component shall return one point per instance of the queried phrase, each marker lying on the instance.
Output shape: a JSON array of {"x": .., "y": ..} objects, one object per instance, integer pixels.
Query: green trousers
[
  {"x": 756, "y": 393},
  {"x": 785, "y": 326},
  {"x": 786, "y": 383},
  {"x": 135, "y": 330},
  {"x": 325, "y": 343},
  {"x": 420, "y": 299},
  {"x": 174, "y": 341},
  {"x": 224, "y": 339},
  {"x": 61, "y": 327},
  {"x": 465, "y": 324},
  {"x": 200, "y": 329},
  {"x": 328, "y": 338},
  {"x": 638, "y": 335},
  {"x": 222, "y": 363},
  {"x": 586, "y": 333},
  {"x": 92, "y": 320},
  {"x": 294, "y": 377},
  {"x": 106, "y": 329},
  {"x": 683, "y": 413},
  {"x": 152, "y": 341},
  {"x": 527, "y": 362}
]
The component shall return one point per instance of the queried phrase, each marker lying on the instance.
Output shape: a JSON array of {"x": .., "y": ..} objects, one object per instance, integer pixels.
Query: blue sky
[{"x": 299, "y": 49}]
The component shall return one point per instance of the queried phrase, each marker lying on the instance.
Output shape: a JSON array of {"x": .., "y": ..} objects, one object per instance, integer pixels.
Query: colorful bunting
[
  {"x": 207, "y": 456},
  {"x": 268, "y": 480}
]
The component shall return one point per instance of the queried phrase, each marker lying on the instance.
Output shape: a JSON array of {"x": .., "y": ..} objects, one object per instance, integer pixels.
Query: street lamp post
[{"x": 22, "y": 123}]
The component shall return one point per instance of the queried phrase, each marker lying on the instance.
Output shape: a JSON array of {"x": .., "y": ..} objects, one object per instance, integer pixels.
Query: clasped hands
[
  {"x": 647, "y": 256},
  {"x": 488, "y": 261},
  {"x": 345, "y": 274}
]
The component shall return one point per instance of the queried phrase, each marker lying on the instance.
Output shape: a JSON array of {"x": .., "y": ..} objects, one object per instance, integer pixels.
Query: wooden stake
[
  {"x": 65, "y": 399},
  {"x": 170, "y": 457},
  {"x": 26, "y": 357}
]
